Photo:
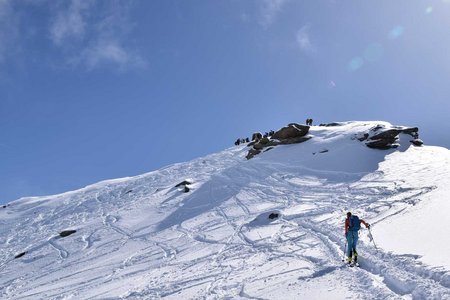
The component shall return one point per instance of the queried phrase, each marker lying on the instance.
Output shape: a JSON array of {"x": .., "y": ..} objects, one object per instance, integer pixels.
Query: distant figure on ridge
[
  {"x": 256, "y": 136},
  {"x": 352, "y": 226}
]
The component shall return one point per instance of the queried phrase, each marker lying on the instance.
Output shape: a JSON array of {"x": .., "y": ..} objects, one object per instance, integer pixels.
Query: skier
[{"x": 352, "y": 226}]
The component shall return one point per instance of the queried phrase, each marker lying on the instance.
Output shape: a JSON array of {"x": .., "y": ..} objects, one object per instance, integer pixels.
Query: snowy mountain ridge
[{"x": 211, "y": 237}]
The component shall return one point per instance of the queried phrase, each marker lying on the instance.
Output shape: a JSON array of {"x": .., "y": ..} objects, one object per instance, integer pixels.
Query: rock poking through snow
[
  {"x": 273, "y": 216},
  {"x": 20, "y": 255},
  {"x": 292, "y": 134},
  {"x": 183, "y": 183},
  {"x": 65, "y": 233},
  {"x": 417, "y": 142},
  {"x": 384, "y": 138}
]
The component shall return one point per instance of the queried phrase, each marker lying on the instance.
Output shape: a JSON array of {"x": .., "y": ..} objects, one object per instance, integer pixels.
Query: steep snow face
[
  {"x": 145, "y": 238},
  {"x": 423, "y": 227}
]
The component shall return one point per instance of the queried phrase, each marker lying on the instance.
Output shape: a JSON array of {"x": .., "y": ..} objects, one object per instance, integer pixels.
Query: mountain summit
[{"x": 230, "y": 226}]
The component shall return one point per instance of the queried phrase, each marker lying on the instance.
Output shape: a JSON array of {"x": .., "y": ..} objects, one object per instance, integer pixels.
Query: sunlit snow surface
[{"x": 143, "y": 238}]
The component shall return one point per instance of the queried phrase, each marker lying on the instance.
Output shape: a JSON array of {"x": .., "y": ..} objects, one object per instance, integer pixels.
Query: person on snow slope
[{"x": 352, "y": 226}]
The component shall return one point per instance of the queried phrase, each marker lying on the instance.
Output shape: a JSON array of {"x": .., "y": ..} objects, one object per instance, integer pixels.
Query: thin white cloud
[
  {"x": 270, "y": 10},
  {"x": 109, "y": 52},
  {"x": 95, "y": 36},
  {"x": 303, "y": 40},
  {"x": 70, "y": 23}
]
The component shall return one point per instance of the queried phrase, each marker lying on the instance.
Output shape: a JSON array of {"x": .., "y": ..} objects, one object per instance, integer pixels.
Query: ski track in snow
[{"x": 141, "y": 238}]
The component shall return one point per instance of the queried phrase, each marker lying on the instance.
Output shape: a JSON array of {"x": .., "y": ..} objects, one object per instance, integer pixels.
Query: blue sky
[{"x": 92, "y": 90}]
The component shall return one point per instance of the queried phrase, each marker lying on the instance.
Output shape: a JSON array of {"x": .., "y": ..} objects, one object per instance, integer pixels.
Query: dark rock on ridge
[
  {"x": 413, "y": 131},
  {"x": 381, "y": 144},
  {"x": 258, "y": 146},
  {"x": 292, "y": 134},
  {"x": 416, "y": 142},
  {"x": 388, "y": 139},
  {"x": 330, "y": 124},
  {"x": 252, "y": 152},
  {"x": 292, "y": 131},
  {"x": 264, "y": 141}
]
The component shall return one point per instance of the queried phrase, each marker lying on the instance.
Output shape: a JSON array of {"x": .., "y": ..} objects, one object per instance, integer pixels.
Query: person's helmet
[{"x": 349, "y": 214}]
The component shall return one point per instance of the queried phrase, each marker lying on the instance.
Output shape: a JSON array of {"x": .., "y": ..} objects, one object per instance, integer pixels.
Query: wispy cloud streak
[
  {"x": 270, "y": 10},
  {"x": 303, "y": 40},
  {"x": 95, "y": 36},
  {"x": 70, "y": 23}
]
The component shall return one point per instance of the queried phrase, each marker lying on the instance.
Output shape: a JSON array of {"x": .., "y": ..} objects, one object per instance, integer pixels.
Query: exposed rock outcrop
[
  {"x": 292, "y": 134},
  {"x": 381, "y": 136},
  {"x": 292, "y": 131},
  {"x": 416, "y": 142},
  {"x": 252, "y": 152},
  {"x": 264, "y": 141},
  {"x": 413, "y": 131},
  {"x": 384, "y": 139}
]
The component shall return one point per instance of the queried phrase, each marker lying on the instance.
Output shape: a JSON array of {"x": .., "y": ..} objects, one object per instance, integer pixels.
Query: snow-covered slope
[{"x": 144, "y": 238}]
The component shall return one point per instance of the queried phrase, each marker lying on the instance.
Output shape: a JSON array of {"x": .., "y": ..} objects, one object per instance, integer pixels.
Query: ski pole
[
  {"x": 371, "y": 237},
  {"x": 345, "y": 248}
]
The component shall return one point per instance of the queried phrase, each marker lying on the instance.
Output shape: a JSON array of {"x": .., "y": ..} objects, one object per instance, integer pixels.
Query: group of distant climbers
[
  {"x": 241, "y": 141},
  {"x": 255, "y": 137},
  {"x": 309, "y": 122}
]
